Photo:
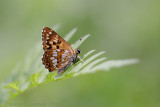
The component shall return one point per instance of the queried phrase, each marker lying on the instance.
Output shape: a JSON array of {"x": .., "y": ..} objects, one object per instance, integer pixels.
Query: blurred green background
[{"x": 123, "y": 28}]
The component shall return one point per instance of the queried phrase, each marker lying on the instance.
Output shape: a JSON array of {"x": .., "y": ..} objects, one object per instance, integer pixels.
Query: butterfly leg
[
  {"x": 72, "y": 65},
  {"x": 80, "y": 59},
  {"x": 72, "y": 60}
]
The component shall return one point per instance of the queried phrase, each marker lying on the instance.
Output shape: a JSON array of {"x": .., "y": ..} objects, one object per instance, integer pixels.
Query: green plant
[{"x": 32, "y": 73}]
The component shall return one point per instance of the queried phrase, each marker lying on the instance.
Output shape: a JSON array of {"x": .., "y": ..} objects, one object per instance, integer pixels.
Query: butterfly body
[{"x": 58, "y": 54}]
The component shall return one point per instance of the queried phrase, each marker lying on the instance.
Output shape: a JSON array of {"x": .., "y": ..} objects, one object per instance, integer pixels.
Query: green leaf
[
  {"x": 34, "y": 79},
  {"x": 32, "y": 72},
  {"x": 14, "y": 86}
]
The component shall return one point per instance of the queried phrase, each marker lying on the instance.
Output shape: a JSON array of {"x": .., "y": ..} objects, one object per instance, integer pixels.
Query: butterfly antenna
[
  {"x": 80, "y": 40},
  {"x": 77, "y": 48}
]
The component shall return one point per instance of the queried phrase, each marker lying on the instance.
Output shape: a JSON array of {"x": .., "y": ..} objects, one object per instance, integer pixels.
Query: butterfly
[{"x": 58, "y": 54}]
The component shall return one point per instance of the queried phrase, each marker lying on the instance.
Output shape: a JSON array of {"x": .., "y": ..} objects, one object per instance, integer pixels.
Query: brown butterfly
[{"x": 58, "y": 54}]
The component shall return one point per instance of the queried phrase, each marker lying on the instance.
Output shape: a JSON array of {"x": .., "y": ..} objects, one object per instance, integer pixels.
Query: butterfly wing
[{"x": 57, "y": 51}]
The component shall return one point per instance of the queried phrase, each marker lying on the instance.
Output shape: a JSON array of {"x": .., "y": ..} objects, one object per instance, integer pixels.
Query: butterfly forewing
[{"x": 57, "y": 51}]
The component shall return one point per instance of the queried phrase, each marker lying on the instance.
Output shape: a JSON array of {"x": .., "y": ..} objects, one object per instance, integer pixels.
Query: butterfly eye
[{"x": 78, "y": 51}]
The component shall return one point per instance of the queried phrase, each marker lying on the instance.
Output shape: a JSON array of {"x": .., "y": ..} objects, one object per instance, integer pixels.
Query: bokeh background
[{"x": 123, "y": 28}]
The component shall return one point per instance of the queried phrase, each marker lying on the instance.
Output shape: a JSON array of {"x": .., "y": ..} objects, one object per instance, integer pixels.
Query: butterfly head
[{"x": 78, "y": 51}]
